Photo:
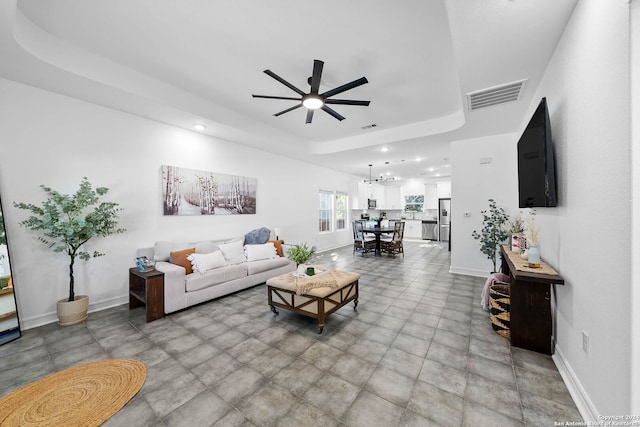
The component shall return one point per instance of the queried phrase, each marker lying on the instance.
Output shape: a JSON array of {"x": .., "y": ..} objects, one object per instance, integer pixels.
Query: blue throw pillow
[{"x": 258, "y": 236}]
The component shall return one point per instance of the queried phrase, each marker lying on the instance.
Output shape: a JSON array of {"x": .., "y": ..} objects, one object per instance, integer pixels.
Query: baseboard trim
[
  {"x": 468, "y": 272},
  {"x": 52, "y": 317},
  {"x": 584, "y": 404}
]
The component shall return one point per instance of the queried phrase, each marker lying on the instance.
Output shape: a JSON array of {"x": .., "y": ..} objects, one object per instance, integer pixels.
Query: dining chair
[
  {"x": 361, "y": 242},
  {"x": 394, "y": 246},
  {"x": 390, "y": 223}
]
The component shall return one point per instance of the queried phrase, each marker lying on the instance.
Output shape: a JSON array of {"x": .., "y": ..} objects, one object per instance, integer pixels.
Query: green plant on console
[
  {"x": 493, "y": 232},
  {"x": 301, "y": 253},
  {"x": 67, "y": 222}
]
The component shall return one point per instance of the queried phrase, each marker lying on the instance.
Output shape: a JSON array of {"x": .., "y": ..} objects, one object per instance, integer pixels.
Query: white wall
[
  {"x": 472, "y": 185},
  {"x": 587, "y": 238},
  {"x": 635, "y": 200},
  {"x": 55, "y": 140}
]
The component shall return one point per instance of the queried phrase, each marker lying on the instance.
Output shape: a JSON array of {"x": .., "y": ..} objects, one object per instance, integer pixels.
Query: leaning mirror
[{"x": 9, "y": 325}]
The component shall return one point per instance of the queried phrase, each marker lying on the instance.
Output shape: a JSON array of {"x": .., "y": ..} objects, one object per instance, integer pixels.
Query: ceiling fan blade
[
  {"x": 284, "y": 82},
  {"x": 309, "y": 116},
  {"x": 287, "y": 110},
  {"x": 315, "y": 77},
  {"x": 276, "y": 97},
  {"x": 347, "y": 102},
  {"x": 345, "y": 87},
  {"x": 333, "y": 112}
]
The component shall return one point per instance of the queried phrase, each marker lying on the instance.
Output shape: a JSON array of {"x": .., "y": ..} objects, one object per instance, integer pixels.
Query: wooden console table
[
  {"x": 147, "y": 288},
  {"x": 530, "y": 294}
]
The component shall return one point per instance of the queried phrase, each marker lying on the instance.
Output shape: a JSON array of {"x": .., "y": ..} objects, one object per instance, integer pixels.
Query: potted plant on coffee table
[
  {"x": 493, "y": 231},
  {"x": 300, "y": 253},
  {"x": 66, "y": 222}
]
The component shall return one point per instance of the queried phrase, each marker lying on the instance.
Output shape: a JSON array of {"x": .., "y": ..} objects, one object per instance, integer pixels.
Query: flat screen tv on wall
[{"x": 536, "y": 162}]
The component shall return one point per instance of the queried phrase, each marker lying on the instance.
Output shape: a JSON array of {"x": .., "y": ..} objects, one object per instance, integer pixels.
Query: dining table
[{"x": 378, "y": 231}]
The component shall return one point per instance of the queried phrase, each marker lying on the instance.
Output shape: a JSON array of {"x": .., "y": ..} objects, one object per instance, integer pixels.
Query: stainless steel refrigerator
[{"x": 444, "y": 219}]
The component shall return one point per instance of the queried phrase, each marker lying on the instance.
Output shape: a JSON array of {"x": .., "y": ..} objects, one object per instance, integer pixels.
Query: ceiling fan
[{"x": 315, "y": 100}]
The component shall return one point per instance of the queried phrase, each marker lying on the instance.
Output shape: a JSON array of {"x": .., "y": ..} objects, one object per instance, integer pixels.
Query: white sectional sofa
[{"x": 183, "y": 289}]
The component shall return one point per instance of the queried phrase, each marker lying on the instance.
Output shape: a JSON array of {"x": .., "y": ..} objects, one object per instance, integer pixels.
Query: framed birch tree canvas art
[{"x": 195, "y": 192}]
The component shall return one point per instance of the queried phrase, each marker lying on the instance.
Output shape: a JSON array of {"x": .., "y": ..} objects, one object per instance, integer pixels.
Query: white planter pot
[{"x": 70, "y": 313}]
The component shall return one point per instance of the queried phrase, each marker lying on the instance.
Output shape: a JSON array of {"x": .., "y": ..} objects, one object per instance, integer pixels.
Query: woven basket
[{"x": 500, "y": 308}]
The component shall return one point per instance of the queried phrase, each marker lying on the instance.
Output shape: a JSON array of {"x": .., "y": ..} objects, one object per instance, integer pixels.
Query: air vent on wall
[{"x": 495, "y": 95}]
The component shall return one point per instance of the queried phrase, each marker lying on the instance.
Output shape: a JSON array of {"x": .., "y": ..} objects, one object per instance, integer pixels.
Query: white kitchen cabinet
[
  {"x": 392, "y": 198},
  {"x": 444, "y": 189},
  {"x": 413, "y": 229},
  {"x": 363, "y": 192},
  {"x": 379, "y": 195},
  {"x": 430, "y": 196}
]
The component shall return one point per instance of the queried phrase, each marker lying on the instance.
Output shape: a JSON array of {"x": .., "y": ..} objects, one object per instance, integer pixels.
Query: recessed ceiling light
[
  {"x": 418, "y": 159},
  {"x": 431, "y": 169},
  {"x": 199, "y": 126},
  {"x": 384, "y": 149}
]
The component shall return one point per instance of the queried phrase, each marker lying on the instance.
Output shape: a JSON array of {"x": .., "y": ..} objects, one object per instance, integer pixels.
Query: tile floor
[{"x": 419, "y": 351}]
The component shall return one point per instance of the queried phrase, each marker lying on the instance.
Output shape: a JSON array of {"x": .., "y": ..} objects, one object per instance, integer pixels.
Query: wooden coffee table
[{"x": 317, "y": 301}]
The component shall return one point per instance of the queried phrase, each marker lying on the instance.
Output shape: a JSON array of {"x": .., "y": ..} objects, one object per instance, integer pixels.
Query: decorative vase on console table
[
  {"x": 534, "y": 257},
  {"x": 533, "y": 253}
]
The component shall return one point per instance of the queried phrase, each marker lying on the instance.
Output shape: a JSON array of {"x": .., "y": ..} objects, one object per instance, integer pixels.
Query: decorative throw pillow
[
  {"x": 206, "y": 247},
  {"x": 180, "y": 258},
  {"x": 258, "y": 252},
  {"x": 233, "y": 252},
  {"x": 278, "y": 246},
  {"x": 257, "y": 236},
  {"x": 205, "y": 262}
]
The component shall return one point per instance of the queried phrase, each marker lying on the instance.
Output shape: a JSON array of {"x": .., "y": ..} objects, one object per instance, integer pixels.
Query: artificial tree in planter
[
  {"x": 66, "y": 222},
  {"x": 493, "y": 231}
]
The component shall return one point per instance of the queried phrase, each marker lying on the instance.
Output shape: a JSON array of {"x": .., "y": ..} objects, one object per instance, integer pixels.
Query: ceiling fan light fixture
[
  {"x": 314, "y": 99},
  {"x": 312, "y": 102}
]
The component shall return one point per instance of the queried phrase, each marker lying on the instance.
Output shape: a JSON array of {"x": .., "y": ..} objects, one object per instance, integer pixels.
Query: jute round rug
[{"x": 85, "y": 395}]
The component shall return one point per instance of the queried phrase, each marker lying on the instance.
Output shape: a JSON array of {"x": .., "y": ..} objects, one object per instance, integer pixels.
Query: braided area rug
[{"x": 85, "y": 395}]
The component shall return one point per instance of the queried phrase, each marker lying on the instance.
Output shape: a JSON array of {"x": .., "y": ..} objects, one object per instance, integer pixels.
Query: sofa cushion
[
  {"x": 278, "y": 246},
  {"x": 233, "y": 252},
  {"x": 162, "y": 250},
  {"x": 257, "y": 236},
  {"x": 206, "y": 247},
  {"x": 255, "y": 267},
  {"x": 258, "y": 252},
  {"x": 205, "y": 262},
  {"x": 197, "y": 281},
  {"x": 180, "y": 258}
]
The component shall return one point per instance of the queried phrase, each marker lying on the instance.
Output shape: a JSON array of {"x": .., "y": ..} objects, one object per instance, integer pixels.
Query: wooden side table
[{"x": 147, "y": 288}]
